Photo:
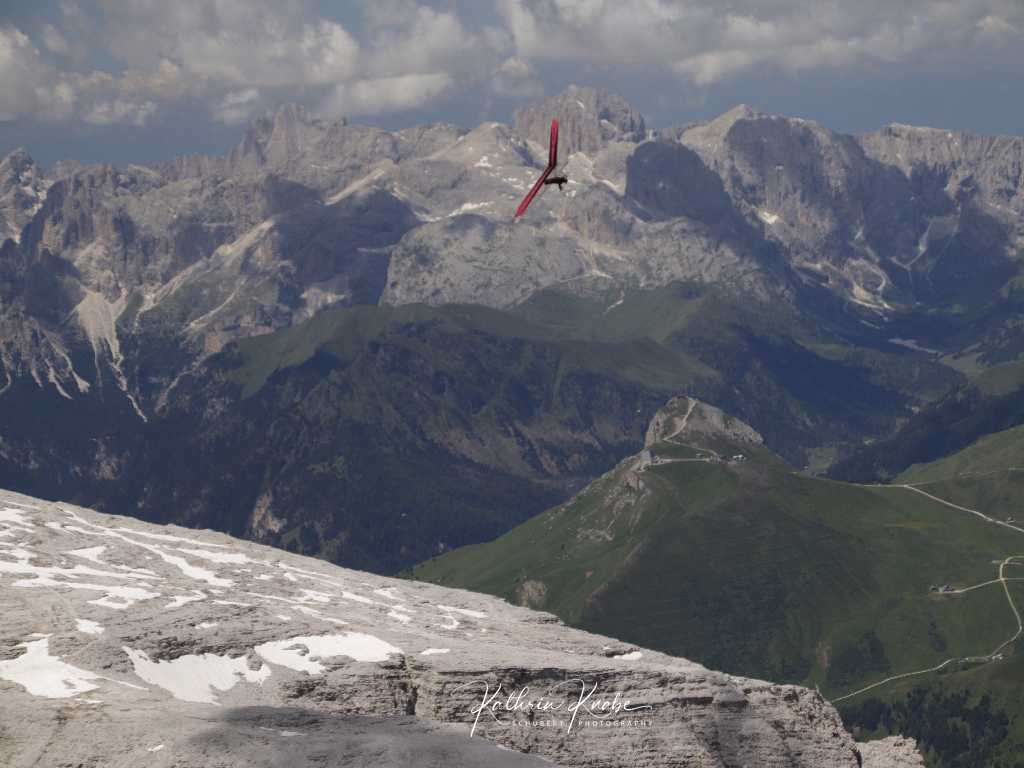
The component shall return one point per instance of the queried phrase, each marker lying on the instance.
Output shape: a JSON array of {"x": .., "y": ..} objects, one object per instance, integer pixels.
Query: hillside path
[
  {"x": 982, "y": 515},
  {"x": 1002, "y": 579}
]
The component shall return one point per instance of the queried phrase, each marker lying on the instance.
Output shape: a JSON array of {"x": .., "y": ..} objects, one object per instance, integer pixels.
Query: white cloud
[
  {"x": 235, "y": 107},
  {"x": 241, "y": 58},
  {"x": 232, "y": 43},
  {"x": 245, "y": 56},
  {"x": 32, "y": 87},
  {"x": 104, "y": 112},
  {"x": 704, "y": 40},
  {"x": 28, "y": 85},
  {"x": 54, "y": 41},
  {"x": 384, "y": 94}
]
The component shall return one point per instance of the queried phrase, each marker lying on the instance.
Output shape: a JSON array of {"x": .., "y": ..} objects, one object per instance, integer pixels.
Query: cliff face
[
  {"x": 589, "y": 120},
  {"x": 190, "y": 647},
  {"x": 882, "y": 218}
]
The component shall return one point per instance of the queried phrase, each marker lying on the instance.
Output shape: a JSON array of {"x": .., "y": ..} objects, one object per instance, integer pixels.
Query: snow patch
[
  {"x": 300, "y": 653},
  {"x": 180, "y": 600},
  {"x": 193, "y": 678},
  {"x": 44, "y": 675},
  {"x": 768, "y": 218},
  {"x": 434, "y": 651},
  {"x": 45, "y": 577},
  {"x": 632, "y": 656},
  {"x": 464, "y": 611},
  {"x": 88, "y": 627},
  {"x": 15, "y": 516},
  {"x": 92, "y": 553},
  {"x": 159, "y": 536},
  {"x": 466, "y": 208},
  {"x": 192, "y": 571},
  {"x": 224, "y": 558},
  {"x": 358, "y": 598},
  {"x": 310, "y": 595}
]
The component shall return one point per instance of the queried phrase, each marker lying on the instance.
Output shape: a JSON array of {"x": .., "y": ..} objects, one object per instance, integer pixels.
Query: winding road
[{"x": 1003, "y": 579}]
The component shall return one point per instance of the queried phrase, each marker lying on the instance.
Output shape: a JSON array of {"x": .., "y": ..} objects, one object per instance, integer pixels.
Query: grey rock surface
[
  {"x": 589, "y": 120},
  {"x": 693, "y": 421},
  {"x": 891, "y": 752},
  {"x": 869, "y": 215},
  {"x": 124, "y": 642}
]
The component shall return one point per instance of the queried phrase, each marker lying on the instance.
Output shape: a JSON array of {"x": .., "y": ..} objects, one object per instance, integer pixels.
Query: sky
[{"x": 135, "y": 81}]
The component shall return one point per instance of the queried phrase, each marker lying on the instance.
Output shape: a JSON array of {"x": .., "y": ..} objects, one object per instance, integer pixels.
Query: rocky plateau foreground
[{"x": 125, "y": 643}]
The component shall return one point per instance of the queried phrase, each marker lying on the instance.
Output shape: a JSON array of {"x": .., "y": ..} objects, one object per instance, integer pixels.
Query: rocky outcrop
[
  {"x": 23, "y": 186},
  {"x": 869, "y": 216},
  {"x": 192, "y": 647},
  {"x": 589, "y": 120},
  {"x": 693, "y": 423},
  {"x": 206, "y": 249},
  {"x": 891, "y": 752},
  {"x": 968, "y": 167}
]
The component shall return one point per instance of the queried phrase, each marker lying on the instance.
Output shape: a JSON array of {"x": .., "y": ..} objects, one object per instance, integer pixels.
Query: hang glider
[{"x": 546, "y": 177}]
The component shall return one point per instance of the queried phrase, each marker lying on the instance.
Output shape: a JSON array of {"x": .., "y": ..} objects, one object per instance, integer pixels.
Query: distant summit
[{"x": 589, "y": 119}]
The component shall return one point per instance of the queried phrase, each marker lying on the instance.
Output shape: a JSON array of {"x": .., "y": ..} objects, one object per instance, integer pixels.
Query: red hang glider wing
[
  {"x": 553, "y": 156},
  {"x": 533, "y": 192},
  {"x": 552, "y": 162}
]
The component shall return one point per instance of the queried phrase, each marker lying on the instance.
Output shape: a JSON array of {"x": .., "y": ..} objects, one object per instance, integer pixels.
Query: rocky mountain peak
[
  {"x": 966, "y": 166},
  {"x": 723, "y": 122},
  {"x": 693, "y": 422},
  {"x": 295, "y": 130},
  {"x": 292, "y": 132},
  {"x": 19, "y": 159},
  {"x": 590, "y": 119},
  {"x": 23, "y": 186}
]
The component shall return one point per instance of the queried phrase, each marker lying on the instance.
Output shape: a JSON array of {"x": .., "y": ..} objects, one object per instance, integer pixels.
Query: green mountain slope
[
  {"x": 990, "y": 402},
  {"x": 997, "y": 452},
  {"x": 378, "y": 436},
  {"x": 751, "y": 567},
  {"x": 987, "y": 476},
  {"x": 801, "y": 382},
  {"x": 381, "y": 437}
]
